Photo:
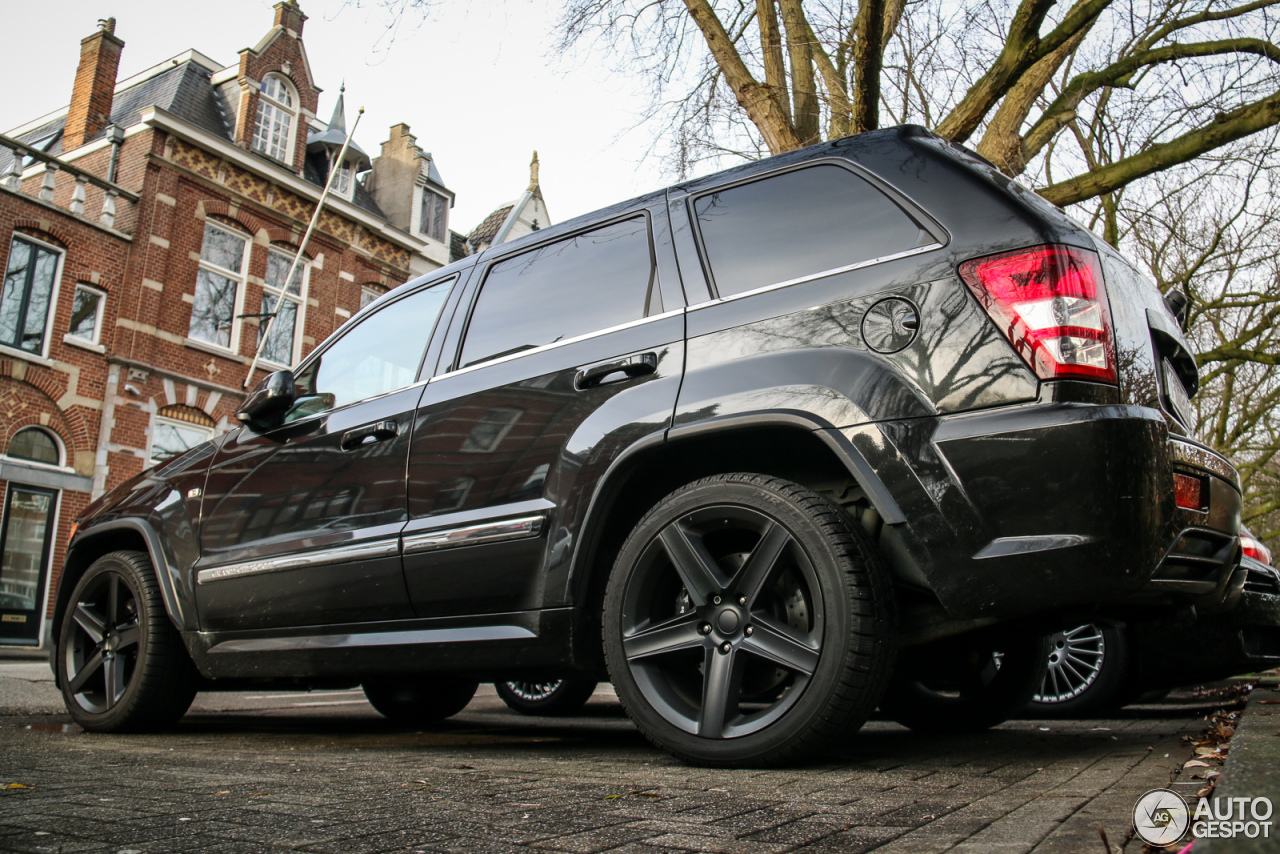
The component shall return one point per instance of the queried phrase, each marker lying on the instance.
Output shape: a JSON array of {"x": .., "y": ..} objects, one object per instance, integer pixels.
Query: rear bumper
[
  {"x": 1244, "y": 639},
  {"x": 1054, "y": 507}
]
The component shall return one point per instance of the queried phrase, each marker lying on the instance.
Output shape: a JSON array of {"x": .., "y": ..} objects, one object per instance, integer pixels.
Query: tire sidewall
[
  {"x": 122, "y": 711},
  {"x": 837, "y": 615}
]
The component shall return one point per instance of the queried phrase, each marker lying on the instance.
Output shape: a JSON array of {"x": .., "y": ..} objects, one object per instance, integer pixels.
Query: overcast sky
[{"x": 477, "y": 83}]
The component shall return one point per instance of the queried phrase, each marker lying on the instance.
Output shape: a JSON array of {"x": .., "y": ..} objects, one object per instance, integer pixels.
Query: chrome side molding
[
  {"x": 342, "y": 554},
  {"x": 471, "y": 535}
]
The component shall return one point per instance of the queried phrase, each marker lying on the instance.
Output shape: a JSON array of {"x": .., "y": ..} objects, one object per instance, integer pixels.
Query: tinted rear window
[
  {"x": 574, "y": 286},
  {"x": 799, "y": 223}
]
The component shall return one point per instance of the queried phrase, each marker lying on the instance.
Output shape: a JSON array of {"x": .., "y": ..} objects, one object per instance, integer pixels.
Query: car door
[
  {"x": 570, "y": 350},
  {"x": 301, "y": 523}
]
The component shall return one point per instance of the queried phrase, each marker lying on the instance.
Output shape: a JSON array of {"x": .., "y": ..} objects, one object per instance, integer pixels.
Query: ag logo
[{"x": 1161, "y": 817}]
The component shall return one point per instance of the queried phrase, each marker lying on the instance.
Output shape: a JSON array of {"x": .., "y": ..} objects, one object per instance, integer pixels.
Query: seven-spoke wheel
[
  {"x": 746, "y": 621},
  {"x": 121, "y": 664}
]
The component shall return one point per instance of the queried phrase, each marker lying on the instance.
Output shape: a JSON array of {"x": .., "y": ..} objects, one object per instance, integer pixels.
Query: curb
[{"x": 1252, "y": 769}]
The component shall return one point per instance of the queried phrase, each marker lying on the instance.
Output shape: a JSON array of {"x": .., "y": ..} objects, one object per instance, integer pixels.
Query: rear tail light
[
  {"x": 1188, "y": 491},
  {"x": 1050, "y": 303},
  {"x": 1255, "y": 549}
]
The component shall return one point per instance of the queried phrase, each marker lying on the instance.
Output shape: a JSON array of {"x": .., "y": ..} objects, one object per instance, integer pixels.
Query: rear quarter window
[
  {"x": 575, "y": 286},
  {"x": 798, "y": 224}
]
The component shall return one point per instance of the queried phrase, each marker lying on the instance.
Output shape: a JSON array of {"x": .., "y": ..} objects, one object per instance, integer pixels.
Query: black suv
[{"x": 842, "y": 428}]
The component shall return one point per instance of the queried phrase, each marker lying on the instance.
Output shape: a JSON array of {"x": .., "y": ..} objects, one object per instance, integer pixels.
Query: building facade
[{"x": 148, "y": 232}]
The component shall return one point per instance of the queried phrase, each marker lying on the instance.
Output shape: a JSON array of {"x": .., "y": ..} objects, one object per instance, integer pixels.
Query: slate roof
[
  {"x": 484, "y": 233},
  {"x": 187, "y": 92},
  {"x": 457, "y": 246}
]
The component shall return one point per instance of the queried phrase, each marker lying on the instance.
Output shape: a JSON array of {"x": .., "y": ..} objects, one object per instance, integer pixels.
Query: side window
[
  {"x": 30, "y": 278},
  {"x": 377, "y": 356},
  {"x": 797, "y": 224},
  {"x": 571, "y": 287}
]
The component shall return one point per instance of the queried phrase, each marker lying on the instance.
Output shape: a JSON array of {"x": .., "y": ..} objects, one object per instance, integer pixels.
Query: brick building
[{"x": 145, "y": 230}]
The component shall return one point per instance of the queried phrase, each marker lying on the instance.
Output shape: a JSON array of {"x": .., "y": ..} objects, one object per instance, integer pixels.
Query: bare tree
[{"x": 741, "y": 77}]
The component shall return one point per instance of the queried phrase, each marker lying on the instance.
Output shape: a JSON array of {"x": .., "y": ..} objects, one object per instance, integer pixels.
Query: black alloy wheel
[
  {"x": 419, "y": 699},
  {"x": 747, "y": 621},
  {"x": 121, "y": 664},
  {"x": 966, "y": 683},
  {"x": 546, "y": 697}
]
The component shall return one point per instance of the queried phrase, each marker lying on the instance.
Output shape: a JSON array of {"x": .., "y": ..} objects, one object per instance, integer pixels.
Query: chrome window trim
[
  {"x": 553, "y": 345},
  {"x": 884, "y": 259},
  {"x": 1204, "y": 458},
  {"x": 341, "y": 554},
  {"x": 471, "y": 535}
]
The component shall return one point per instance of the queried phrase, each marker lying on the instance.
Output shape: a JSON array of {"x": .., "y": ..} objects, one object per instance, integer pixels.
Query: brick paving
[{"x": 339, "y": 779}]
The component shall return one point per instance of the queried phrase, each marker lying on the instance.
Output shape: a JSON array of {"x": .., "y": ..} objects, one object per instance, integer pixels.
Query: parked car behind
[
  {"x": 767, "y": 449},
  {"x": 1095, "y": 669}
]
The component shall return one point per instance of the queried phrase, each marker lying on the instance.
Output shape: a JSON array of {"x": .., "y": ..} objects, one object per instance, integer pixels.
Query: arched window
[
  {"x": 36, "y": 445},
  {"x": 277, "y": 109}
]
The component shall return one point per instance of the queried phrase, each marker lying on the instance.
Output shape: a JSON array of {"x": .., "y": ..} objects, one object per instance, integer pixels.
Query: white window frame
[
  {"x": 53, "y": 293},
  {"x": 173, "y": 422},
  {"x": 266, "y": 118},
  {"x": 300, "y": 317},
  {"x": 419, "y": 226},
  {"x": 59, "y": 446},
  {"x": 97, "y": 321},
  {"x": 240, "y": 277},
  {"x": 344, "y": 182}
]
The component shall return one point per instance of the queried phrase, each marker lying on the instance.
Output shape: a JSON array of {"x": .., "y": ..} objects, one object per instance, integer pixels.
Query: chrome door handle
[
  {"x": 367, "y": 435},
  {"x": 633, "y": 366}
]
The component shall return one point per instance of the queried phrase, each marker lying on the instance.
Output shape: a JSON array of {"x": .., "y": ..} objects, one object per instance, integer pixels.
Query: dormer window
[
  {"x": 433, "y": 219},
  {"x": 342, "y": 181},
  {"x": 273, "y": 135}
]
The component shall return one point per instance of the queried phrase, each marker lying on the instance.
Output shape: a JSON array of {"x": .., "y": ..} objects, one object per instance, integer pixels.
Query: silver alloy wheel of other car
[
  {"x": 746, "y": 622},
  {"x": 121, "y": 664},
  {"x": 1075, "y": 663},
  {"x": 562, "y": 696}
]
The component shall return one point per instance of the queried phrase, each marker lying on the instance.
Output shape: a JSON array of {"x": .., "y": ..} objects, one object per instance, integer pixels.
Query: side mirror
[{"x": 269, "y": 400}]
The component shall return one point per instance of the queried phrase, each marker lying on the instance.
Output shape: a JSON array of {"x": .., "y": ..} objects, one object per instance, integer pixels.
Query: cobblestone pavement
[{"x": 323, "y": 773}]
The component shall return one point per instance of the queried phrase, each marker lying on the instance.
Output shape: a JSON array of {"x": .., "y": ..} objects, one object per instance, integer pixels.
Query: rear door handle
[
  {"x": 633, "y": 366},
  {"x": 379, "y": 431}
]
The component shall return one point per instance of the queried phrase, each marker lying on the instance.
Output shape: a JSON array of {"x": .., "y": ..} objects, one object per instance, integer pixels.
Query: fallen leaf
[
  {"x": 18, "y": 786},
  {"x": 1196, "y": 763},
  {"x": 1269, "y": 702},
  {"x": 224, "y": 793},
  {"x": 256, "y": 794}
]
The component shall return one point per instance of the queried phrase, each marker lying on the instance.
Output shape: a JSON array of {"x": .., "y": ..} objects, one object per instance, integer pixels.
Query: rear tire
[
  {"x": 121, "y": 664},
  {"x": 552, "y": 697},
  {"x": 958, "y": 685},
  {"x": 748, "y": 622},
  {"x": 419, "y": 699}
]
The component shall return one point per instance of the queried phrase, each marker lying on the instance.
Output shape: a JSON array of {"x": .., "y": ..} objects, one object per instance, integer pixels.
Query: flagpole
[{"x": 315, "y": 218}]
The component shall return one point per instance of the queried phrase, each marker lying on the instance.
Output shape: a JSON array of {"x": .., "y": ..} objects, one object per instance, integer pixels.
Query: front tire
[
  {"x": 122, "y": 666},
  {"x": 421, "y": 699},
  {"x": 748, "y": 622},
  {"x": 552, "y": 697},
  {"x": 965, "y": 684}
]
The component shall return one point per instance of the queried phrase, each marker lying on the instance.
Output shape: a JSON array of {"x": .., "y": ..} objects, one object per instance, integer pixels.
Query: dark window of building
[
  {"x": 25, "y": 545},
  {"x": 572, "y": 287},
  {"x": 369, "y": 293},
  {"x": 29, "y": 280},
  {"x": 378, "y": 355},
  {"x": 86, "y": 314},
  {"x": 224, "y": 261},
  {"x": 434, "y": 216},
  {"x": 32, "y": 443},
  {"x": 797, "y": 224}
]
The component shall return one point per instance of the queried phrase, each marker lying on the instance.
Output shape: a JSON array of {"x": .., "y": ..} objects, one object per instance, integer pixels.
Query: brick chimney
[
  {"x": 289, "y": 15},
  {"x": 95, "y": 86}
]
